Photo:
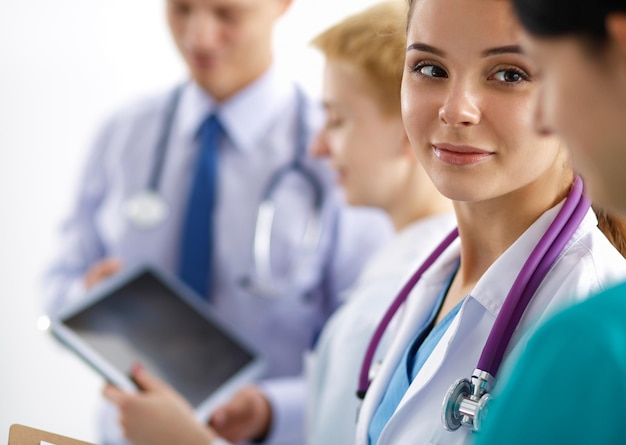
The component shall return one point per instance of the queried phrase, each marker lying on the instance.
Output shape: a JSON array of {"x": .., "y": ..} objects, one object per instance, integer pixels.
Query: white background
[{"x": 65, "y": 65}]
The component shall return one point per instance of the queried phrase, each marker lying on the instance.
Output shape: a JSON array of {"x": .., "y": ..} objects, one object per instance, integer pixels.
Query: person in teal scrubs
[{"x": 568, "y": 384}]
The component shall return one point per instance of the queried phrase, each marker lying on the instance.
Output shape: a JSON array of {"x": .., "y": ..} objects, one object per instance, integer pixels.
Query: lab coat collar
[
  {"x": 492, "y": 289},
  {"x": 246, "y": 117},
  {"x": 416, "y": 313}
]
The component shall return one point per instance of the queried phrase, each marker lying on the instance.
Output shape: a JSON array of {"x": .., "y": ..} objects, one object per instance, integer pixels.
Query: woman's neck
[{"x": 488, "y": 228}]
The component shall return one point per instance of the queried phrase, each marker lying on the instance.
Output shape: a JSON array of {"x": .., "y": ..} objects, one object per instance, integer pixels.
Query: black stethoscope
[
  {"x": 148, "y": 209},
  {"x": 465, "y": 401}
]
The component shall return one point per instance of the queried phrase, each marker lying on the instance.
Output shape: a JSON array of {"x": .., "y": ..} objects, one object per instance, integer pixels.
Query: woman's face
[
  {"x": 367, "y": 148},
  {"x": 467, "y": 100},
  {"x": 583, "y": 98}
]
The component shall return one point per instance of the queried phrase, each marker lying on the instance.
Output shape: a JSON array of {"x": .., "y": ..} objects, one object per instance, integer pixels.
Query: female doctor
[
  {"x": 582, "y": 53},
  {"x": 467, "y": 97}
]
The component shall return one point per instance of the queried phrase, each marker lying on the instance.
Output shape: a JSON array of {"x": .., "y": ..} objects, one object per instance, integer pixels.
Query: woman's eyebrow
[
  {"x": 425, "y": 48},
  {"x": 507, "y": 49}
]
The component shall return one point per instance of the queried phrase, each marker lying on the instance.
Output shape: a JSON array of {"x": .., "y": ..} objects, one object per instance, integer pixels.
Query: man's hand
[
  {"x": 247, "y": 416},
  {"x": 101, "y": 270}
]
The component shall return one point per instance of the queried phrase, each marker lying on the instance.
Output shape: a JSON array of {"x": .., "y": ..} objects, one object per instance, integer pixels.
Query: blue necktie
[{"x": 197, "y": 246}]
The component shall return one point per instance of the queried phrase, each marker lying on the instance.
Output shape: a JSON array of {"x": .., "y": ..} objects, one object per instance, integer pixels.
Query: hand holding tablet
[{"x": 142, "y": 316}]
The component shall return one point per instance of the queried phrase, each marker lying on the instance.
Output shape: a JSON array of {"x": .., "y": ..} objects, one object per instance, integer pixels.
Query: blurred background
[{"x": 65, "y": 66}]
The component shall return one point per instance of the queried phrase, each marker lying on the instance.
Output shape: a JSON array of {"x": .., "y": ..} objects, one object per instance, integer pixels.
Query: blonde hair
[{"x": 374, "y": 42}]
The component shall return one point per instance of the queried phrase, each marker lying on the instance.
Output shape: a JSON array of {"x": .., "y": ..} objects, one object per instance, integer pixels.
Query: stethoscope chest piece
[
  {"x": 465, "y": 402},
  {"x": 146, "y": 209}
]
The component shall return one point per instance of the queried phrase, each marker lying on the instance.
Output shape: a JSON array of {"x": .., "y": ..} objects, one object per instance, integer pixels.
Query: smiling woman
[{"x": 490, "y": 82}]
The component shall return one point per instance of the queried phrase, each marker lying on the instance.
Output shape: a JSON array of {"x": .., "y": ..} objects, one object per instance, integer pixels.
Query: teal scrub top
[{"x": 568, "y": 385}]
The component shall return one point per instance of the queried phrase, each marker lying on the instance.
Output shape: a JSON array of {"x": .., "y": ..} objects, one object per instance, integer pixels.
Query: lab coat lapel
[
  {"x": 415, "y": 315},
  {"x": 433, "y": 363},
  {"x": 490, "y": 292}
]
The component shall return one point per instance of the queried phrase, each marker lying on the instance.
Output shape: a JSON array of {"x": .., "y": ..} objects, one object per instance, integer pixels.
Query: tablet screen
[{"x": 145, "y": 322}]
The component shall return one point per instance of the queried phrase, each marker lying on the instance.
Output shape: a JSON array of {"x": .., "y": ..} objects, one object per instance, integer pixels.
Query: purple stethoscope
[{"x": 465, "y": 400}]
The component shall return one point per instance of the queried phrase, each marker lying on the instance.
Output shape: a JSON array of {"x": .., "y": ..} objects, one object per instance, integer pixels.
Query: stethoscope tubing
[
  {"x": 364, "y": 379},
  {"x": 163, "y": 140},
  {"x": 297, "y": 164},
  {"x": 539, "y": 262}
]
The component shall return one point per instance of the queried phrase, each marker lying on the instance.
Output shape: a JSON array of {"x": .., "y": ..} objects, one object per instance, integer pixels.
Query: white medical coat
[
  {"x": 588, "y": 265},
  {"x": 335, "y": 363}
]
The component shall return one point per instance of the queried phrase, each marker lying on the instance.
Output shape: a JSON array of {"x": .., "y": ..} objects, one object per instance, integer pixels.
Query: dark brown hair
[
  {"x": 554, "y": 18},
  {"x": 614, "y": 228}
]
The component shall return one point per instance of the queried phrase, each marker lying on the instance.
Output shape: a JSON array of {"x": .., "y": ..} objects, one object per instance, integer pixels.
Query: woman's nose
[
  {"x": 460, "y": 107},
  {"x": 319, "y": 147}
]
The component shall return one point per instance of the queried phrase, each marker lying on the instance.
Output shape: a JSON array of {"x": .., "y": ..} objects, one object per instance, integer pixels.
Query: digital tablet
[{"x": 142, "y": 316}]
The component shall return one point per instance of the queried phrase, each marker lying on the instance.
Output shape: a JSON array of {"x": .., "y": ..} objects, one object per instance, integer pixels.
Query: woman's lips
[{"x": 460, "y": 154}]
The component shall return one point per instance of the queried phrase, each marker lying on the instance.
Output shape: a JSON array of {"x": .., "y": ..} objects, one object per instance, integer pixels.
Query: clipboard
[{"x": 24, "y": 435}]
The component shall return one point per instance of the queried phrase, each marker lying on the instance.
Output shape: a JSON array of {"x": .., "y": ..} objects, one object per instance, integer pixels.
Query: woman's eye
[
  {"x": 510, "y": 76},
  {"x": 334, "y": 123},
  {"x": 430, "y": 70},
  {"x": 229, "y": 15},
  {"x": 181, "y": 8}
]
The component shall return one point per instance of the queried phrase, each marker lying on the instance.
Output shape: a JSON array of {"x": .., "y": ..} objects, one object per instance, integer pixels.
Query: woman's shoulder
[
  {"x": 593, "y": 256},
  {"x": 589, "y": 265}
]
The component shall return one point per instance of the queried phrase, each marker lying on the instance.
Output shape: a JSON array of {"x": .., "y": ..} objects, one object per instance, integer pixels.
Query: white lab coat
[
  {"x": 333, "y": 367},
  {"x": 325, "y": 397},
  {"x": 588, "y": 264}
]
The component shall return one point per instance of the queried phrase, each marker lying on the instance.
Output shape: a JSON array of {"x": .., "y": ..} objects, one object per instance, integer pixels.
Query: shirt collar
[{"x": 246, "y": 116}]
